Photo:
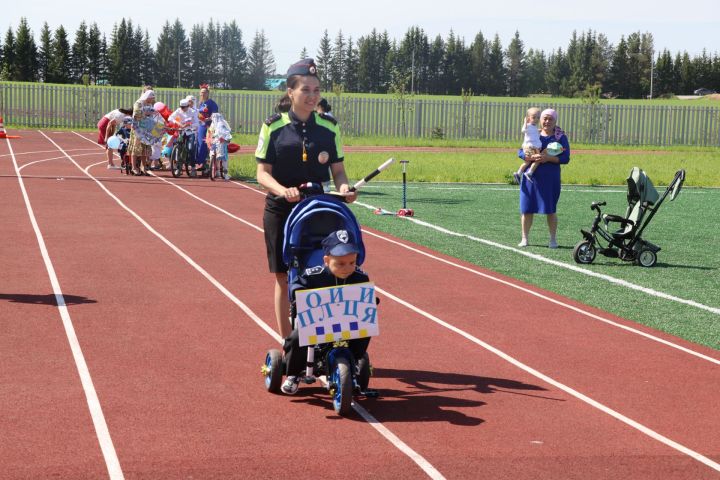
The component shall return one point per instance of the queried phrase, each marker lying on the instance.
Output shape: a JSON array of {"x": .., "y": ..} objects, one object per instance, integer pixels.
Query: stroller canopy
[
  {"x": 310, "y": 222},
  {"x": 640, "y": 188}
]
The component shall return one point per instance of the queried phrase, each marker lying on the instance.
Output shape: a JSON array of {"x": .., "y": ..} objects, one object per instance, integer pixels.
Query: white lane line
[
  {"x": 101, "y": 430},
  {"x": 47, "y": 151},
  {"x": 584, "y": 398},
  {"x": 392, "y": 438},
  {"x": 574, "y": 268},
  {"x": 552, "y": 300},
  {"x": 580, "y": 396},
  {"x": 527, "y": 290},
  {"x": 603, "y": 408},
  {"x": 49, "y": 159}
]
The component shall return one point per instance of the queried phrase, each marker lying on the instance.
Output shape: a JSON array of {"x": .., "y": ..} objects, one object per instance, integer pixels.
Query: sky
[{"x": 290, "y": 26}]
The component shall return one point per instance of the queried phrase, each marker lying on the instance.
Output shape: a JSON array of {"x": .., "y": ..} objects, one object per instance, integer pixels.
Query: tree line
[{"x": 374, "y": 63}]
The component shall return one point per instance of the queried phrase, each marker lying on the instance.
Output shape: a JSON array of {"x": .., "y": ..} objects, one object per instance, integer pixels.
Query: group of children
[{"x": 184, "y": 117}]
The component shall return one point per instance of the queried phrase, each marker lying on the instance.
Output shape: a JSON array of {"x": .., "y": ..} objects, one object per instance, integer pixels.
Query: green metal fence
[{"x": 39, "y": 105}]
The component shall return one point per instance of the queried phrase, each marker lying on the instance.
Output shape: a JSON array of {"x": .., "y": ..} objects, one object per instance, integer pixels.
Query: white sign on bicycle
[{"x": 337, "y": 313}]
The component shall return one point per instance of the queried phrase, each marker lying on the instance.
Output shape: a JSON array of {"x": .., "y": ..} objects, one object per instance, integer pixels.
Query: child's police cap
[
  {"x": 305, "y": 66},
  {"x": 338, "y": 244}
]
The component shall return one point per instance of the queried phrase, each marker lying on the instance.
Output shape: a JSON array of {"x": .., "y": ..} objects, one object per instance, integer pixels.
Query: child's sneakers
[
  {"x": 553, "y": 243},
  {"x": 290, "y": 386},
  {"x": 523, "y": 243},
  {"x": 516, "y": 178},
  {"x": 528, "y": 176}
]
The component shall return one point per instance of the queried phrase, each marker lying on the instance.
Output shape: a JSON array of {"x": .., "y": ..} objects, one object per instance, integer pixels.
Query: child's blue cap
[{"x": 339, "y": 244}]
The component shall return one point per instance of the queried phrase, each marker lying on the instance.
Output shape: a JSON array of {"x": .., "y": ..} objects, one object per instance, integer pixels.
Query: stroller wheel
[
  {"x": 646, "y": 258},
  {"x": 272, "y": 370},
  {"x": 584, "y": 252}
]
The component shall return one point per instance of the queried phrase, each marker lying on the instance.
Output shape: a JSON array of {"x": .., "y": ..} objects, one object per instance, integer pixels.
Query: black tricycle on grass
[{"x": 625, "y": 241}]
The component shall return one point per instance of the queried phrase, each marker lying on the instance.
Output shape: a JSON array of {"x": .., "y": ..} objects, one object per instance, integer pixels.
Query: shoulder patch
[
  {"x": 314, "y": 270},
  {"x": 272, "y": 119},
  {"x": 329, "y": 118}
]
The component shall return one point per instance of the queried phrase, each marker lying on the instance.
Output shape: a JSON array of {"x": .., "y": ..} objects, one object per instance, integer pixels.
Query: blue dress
[
  {"x": 542, "y": 194},
  {"x": 207, "y": 108}
]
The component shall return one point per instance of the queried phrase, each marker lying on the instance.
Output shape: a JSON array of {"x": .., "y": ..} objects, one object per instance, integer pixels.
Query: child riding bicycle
[{"x": 218, "y": 137}]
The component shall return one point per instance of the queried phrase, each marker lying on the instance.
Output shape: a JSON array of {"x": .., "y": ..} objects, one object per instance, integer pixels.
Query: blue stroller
[{"x": 310, "y": 222}]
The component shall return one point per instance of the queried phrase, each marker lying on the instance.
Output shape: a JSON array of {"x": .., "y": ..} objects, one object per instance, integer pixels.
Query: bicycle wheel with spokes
[{"x": 175, "y": 162}]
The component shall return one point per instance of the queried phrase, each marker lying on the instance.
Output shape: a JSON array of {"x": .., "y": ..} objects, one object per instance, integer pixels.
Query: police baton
[{"x": 372, "y": 175}]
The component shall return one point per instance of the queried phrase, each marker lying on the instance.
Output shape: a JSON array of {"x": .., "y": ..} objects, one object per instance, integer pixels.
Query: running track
[{"x": 132, "y": 332}]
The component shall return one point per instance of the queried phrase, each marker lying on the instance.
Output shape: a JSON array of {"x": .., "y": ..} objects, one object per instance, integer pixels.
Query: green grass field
[
  {"x": 475, "y": 199},
  {"x": 688, "y": 264},
  {"x": 495, "y": 165}
]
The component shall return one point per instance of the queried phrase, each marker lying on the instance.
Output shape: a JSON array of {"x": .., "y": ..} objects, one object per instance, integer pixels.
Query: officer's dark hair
[{"x": 285, "y": 103}]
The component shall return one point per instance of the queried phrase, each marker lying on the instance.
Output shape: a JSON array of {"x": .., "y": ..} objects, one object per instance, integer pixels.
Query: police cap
[
  {"x": 338, "y": 244},
  {"x": 305, "y": 66}
]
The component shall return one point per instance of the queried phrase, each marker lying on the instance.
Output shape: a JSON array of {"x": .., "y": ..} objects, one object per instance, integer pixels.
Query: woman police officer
[{"x": 295, "y": 146}]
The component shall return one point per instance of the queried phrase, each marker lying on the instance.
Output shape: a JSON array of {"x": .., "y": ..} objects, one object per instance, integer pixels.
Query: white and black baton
[{"x": 372, "y": 175}]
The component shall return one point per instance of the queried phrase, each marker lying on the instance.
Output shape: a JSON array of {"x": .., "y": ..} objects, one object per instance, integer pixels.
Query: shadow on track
[
  {"x": 430, "y": 397},
  {"x": 48, "y": 299}
]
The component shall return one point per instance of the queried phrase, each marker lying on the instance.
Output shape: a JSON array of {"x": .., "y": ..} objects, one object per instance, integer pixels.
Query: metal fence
[{"x": 71, "y": 106}]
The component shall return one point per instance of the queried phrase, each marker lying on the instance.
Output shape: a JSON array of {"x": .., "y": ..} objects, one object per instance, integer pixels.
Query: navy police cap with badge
[
  {"x": 305, "y": 66},
  {"x": 339, "y": 244}
]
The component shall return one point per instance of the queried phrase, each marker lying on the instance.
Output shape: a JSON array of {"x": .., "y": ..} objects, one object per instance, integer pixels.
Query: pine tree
[
  {"x": 304, "y": 54},
  {"x": 516, "y": 65},
  {"x": 412, "y": 58},
  {"x": 261, "y": 63},
  {"x": 94, "y": 54},
  {"x": 496, "y": 68},
  {"x": 79, "y": 54},
  {"x": 212, "y": 53},
  {"x": 198, "y": 55},
  {"x": 479, "y": 52},
  {"x": 557, "y": 73},
  {"x": 26, "y": 64},
  {"x": 323, "y": 61},
  {"x": 148, "y": 67},
  {"x": 665, "y": 80},
  {"x": 103, "y": 69},
  {"x": 434, "y": 80},
  {"x": 166, "y": 58},
  {"x": 338, "y": 60},
  {"x": 535, "y": 68},
  {"x": 45, "y": 52},
  {"x": 233, "y": 57},
  {"x": 618, "y": 70},
  {"x": 60, "y": 61},
  {"x": 118, "y": 52},
  {"x": 350, "y": 67}
]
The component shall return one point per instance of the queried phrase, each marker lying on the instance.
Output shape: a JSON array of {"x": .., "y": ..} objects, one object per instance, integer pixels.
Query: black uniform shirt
[{"x": 281, "y": 145}]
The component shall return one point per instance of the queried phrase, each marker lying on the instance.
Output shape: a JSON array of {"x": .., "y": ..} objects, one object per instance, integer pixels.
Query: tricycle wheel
[
  {"x": 646, "y": 258},
  {"x": 584, "y": 252},
  {"x": 364, "y": 372},
  {"x": 273, "y": 370},
  {"x": 342, "y": 388}
]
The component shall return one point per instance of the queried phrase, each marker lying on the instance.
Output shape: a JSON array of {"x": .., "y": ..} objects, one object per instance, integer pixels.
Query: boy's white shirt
[{"x": 182, "y": 118}]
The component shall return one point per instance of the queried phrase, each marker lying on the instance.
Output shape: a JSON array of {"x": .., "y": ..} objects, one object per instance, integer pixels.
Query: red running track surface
[{"x": 511, "y": 385}]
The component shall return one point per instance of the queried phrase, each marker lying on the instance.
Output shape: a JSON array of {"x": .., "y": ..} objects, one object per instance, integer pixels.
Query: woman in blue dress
[
  {"x": 205, "y": 110},
  {"x": 542, "y": 193}
]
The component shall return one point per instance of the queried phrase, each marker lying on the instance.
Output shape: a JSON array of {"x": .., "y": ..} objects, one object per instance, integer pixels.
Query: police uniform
[
  {"x": 319, "y": 277},
  {"x": 293, "y": 147}
]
